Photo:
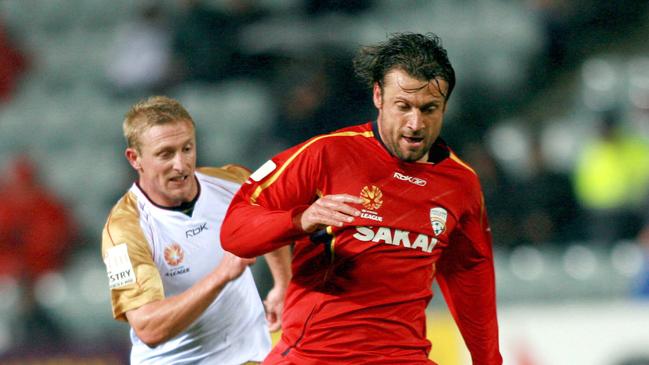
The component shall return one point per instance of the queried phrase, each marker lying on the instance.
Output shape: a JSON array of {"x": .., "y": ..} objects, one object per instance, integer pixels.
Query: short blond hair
[{"x": 155, "y": 110}]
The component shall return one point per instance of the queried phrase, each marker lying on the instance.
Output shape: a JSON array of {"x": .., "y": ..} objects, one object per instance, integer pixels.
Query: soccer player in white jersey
[{"x": 185, "y": 298}]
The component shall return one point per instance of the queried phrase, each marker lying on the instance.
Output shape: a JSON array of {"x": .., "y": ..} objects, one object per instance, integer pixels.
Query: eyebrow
[
  {"x": 436, "y": 102},
  {"x": 432, "y": 103},
  {"x": 171, "y": 148}
]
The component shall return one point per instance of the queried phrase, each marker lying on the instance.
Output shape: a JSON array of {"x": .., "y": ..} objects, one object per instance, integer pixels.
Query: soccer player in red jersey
[{"x": 376, "y": 212}]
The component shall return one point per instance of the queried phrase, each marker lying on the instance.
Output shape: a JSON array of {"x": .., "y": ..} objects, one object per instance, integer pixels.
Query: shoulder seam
[
  {"x": 275, "y": 176},
  {"x": 110, "y": 217},
  {"x": 226, "y": 172},
  {"x": 455, "y": 158}
]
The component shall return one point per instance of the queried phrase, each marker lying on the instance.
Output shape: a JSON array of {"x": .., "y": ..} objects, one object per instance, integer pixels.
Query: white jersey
[{"x": 152, "y": 252}]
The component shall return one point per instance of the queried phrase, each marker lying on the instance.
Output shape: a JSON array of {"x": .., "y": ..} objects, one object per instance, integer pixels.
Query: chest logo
[
  {"x": 174, "y": 254},
  {"x": 196, "y": 231},
  {"x": 438, "y": 220},
  {"x": 411, "y": 179},
  {"x": 372, "y": 197},
  {"x": 396, "y": 237}
]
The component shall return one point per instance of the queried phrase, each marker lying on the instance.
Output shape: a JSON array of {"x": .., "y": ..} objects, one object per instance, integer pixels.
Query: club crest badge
[
  {"x": 174, "y": 254},
  {"x": 438, "y": 220}
]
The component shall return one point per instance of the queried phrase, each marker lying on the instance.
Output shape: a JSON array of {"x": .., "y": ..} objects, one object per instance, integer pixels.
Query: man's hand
[
  {"x": 330, "y": 210},
  {"x": 274, "y": 305},
  {"x": 231, "y": 266}
]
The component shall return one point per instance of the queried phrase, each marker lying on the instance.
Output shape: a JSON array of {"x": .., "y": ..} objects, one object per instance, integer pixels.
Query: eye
[
  {"x": 163, "y": 155},
  {"x": 188, "y": 148},
  {"x": 403, "y": 106}
]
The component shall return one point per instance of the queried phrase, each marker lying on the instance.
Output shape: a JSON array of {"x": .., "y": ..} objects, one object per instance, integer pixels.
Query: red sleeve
[
  {"x": 466, "y": 277},
  {"x": 261, "y": 216}
]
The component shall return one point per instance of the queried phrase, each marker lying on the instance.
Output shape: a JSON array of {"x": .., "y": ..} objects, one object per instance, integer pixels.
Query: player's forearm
[
  {"x": 252, "y": 230},
  {"x": 157, "y": 322},
  {"x": 471, "y": 297},
  {"x": 279, "y": 263}
]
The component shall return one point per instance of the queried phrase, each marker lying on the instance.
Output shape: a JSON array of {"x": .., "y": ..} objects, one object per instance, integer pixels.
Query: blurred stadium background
[{"x": 551, "y": 108}]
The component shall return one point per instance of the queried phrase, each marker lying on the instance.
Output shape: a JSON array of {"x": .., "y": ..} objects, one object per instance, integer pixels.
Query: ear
[
  {"x": 376, "y": 96},
  {"x": 133, "y": 158}
]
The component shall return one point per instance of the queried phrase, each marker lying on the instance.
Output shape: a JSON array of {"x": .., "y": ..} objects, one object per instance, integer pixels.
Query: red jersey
[{"x": 359, "y": 292}]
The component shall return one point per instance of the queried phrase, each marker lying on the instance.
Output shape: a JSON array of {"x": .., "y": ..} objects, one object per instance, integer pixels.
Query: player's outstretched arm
[{"x": 159, "y": 321}]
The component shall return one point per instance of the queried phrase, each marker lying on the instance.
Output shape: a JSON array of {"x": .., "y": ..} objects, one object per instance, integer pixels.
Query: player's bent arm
[
  {"x": 279, "y": 263},
  {"x": 329, "y": 210},
  {"x": 159, "y": 321},
  {"x": 252, "y": 230}
]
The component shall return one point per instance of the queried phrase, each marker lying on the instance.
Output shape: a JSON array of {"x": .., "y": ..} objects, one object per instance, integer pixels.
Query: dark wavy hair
[{"x": 420, "y": 55}]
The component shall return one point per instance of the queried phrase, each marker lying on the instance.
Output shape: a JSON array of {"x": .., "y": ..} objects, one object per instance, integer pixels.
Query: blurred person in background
[
  {"x": 206, "y": 39},
  {"x": 37, "y": 233},
  {"x": 498, "y": 190},
  {"x": 12, "y": 64},
  {"x": 141, "y": 56},
  {"x": 611, "y": 181},
  {"x": 315, "y": 95},
  {"x": 322, "y": 7},
  {"x": 544, "y": 202},
  {"x": 640, "y": 287},
  {"x": 185, "y": 299},
  {"x": 376, "y": 212}
]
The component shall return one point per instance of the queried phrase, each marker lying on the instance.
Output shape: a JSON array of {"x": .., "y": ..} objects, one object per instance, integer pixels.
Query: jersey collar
[{"x": 185, "y": 208}]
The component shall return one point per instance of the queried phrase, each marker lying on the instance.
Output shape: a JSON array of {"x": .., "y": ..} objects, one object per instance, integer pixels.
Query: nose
[
  {"x": 178, "y": 162},
  {"x": 415, "y": 120}
]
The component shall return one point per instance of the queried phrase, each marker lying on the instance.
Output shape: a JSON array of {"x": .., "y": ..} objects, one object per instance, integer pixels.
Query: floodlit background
[{"x": 551, "y": 108}]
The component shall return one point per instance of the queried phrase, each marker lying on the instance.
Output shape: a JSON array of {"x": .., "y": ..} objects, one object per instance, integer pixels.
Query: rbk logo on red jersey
[{"x": 411, "y": 179}]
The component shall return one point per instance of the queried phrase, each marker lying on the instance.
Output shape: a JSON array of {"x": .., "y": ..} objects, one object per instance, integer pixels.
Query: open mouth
[
  {"x": 413, "y": 140},
  {"x": 179, "y": 179}
]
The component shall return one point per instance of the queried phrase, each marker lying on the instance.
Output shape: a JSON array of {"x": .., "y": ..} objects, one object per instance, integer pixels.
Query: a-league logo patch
[
  {"x": 438, "y": 220},
  {"x": 372, "y": 197},
  {"x": 174, "y": 254}
]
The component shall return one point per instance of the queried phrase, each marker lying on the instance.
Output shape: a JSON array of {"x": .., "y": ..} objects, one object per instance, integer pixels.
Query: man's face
[
  {"x": 166, "y": 162},
  {"x": 410, "y": 114}
]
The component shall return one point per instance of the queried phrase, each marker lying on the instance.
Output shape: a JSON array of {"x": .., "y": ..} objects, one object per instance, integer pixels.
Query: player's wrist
[{"x": 296, "y": 218}]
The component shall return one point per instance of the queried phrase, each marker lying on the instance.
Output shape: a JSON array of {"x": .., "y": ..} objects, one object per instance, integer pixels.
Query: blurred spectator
[
  {"x": 12, "y": 64},
  {"x": 555, "y": 17},
  {"x": 302, "y": 91},
  {"x": 611, "y": 181},
  {"x": 206, "y": 39},
  {"x": 141, "y": 58},
  {"x": 498, "y": 193},
  {"x": 315, "y": 96},
  {"x": 36, "y": 235},
  {"x": 574, "y": 29},
  {"x": 352, "y": 7},
  {"x": 641, "y": 284},
  {"x": 547, "y": 208}
]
